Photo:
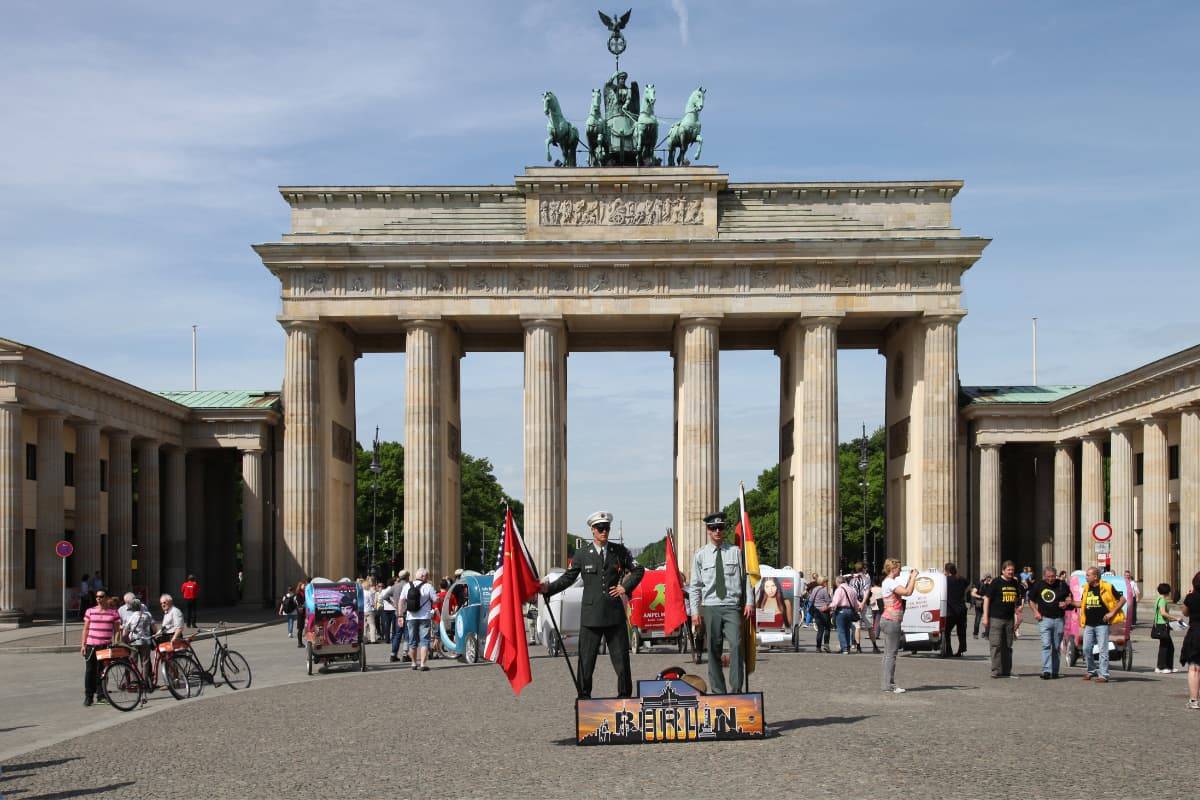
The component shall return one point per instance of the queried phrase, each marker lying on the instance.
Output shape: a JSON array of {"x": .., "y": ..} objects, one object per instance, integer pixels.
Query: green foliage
[
  {"x": 482, "y": 509},
  {"x": 762, "y": 504},
  {"x": 850, "y": 493},
  {"x": 653, "y": 554}
]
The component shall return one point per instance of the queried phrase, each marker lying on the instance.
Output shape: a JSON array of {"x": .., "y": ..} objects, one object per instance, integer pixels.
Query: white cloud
[{"x": 681, "y": 13}]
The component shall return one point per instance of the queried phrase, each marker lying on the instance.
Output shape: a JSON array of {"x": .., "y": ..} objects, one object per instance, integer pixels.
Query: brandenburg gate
[{"x": 650, "y": 258}]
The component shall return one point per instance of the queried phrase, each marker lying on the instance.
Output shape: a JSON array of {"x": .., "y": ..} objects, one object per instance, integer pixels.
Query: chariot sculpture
[{"x": 621, "y": 127}]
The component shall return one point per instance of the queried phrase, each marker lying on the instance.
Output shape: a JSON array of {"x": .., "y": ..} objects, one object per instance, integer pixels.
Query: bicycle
[
  {"x": 125, "y": 687},
  {"x": 233, "y": 666},
  {"x": 174, "y": 660}
]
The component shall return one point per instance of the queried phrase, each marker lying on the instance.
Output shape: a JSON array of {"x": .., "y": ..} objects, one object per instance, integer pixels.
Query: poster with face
[{"x": 925, "y": 607}]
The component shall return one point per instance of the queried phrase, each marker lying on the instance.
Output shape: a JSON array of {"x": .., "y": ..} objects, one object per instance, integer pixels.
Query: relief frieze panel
[{"x": 607, "y": 211}]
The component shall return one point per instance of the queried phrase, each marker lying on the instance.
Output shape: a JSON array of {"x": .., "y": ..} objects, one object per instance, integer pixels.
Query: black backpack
[
  {"x": 289, "y": 604},
  {"x": 412, "y": 602}
]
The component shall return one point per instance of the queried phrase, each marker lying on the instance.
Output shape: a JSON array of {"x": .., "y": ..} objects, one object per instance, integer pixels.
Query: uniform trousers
[
  {"x": 617, "y": 637},
  {"x": 721, "y": 623}
]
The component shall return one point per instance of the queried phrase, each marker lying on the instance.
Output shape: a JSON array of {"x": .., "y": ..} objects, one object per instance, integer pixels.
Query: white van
[{"x": 924, "y": 621}]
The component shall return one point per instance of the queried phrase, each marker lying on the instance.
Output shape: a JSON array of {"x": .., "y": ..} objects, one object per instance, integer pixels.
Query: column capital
[
  {"x": 431, "y": 322},
  {"x": 1065, "y": 444},
  {"x": 1095, "y": 437},
  {"x": 1121, "y": 427},
  {"x": 11, "y": 405},
  {"x": 299, "y": 323},
  {"x": 989, "y": 445},
  {"x": 699, "y": 320},
  {"x": 1156, "y": 420},
  {"x": 51, "y": 414},
  {"x": 831, "y": 318},
  {"x": 255, "y": 449},
  {"x": 543, "y": 321},
  {"x": 86, "y": 424},
  {"x": 935, "y": 317},
  {"x": 117, "y": 435}
]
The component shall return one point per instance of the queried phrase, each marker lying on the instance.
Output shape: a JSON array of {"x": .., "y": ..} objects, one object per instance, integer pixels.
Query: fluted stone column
[
  {"x": 1156, "y": 519},
  {"x": 174, "y": 566},
  {"x": 423, "y": 445},
  {"x": 1064, "y": 506},
  {"x": 939, "y": 476},
  {"x": 1121, "y": 502},
  {"x": 252, "y": 528},
  {"x": 1189, "y": 490},
  {"x": 545, "y": 442},
  {"x": 196, "y": 532},
  {"x": 822, "y": 544},
  {"x": 697, "y": 380},
  {"x": 989, "y": 509},
  {"x": 149, "y": 518},
  {"x": 1091, "y": 496},
  {"x": 1043, "y": 507},
  {"x": 303, "y": 464},
  {"x": 87, "y": 498},
  {"x": 51, "y": 477},
  {"x": 120, "y": 512},
  {"x": 12, "y": 529}
]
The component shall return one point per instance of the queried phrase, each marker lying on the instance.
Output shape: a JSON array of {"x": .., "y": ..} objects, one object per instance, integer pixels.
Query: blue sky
[{"x": 142, "y": 143}]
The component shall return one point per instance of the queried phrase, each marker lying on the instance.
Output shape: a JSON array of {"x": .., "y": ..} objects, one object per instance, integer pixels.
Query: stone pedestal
[
  {"x": 989, "y": 509},
  {"x": 87, "y": 556},
  {"x": 545, "y": 442},
  {"x": 174, "y": 566},
  {"x": 1189, "y": 491},
  {"x": 149, "y": 519},
  {"x": 697, "y": 389},
  {"x": 1091, "y": 501},
  {"x": 423, "y": 446},
  {"x": 252, "y": 528},
  {"x": 819, "y": 510},
  {"x": 939, "y": 476},
  {"x": 12, "y": 529},
  {"x": 120, "y": 513},
  {"x": 1156, "y": 519},
  {"x": 303, "y": 461},
  {"x": 1120, "y": 473},
  {"x": 50, "y": 482},
  {"x": 1064, "y": 506}
]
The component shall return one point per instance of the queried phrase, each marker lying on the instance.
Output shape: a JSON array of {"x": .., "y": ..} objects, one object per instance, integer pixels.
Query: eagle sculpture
[{"x": 620, "y": 22}]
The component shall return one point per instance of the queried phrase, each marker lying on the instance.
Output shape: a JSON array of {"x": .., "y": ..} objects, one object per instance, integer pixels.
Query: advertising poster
[
  {"x": 648, "y": 606},
  {"x": 775, "y": 599},
  {"x": 333, "y": 615},
  {"x": 669, "y": 711},
  {"x": 924, "y": 608}
]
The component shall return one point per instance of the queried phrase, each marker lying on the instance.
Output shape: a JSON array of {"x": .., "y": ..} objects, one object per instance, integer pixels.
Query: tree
[
  {"x": 762, "y": 504},
  {"x": 483, "y": 513},
  {"x": 850, "y": 495}
]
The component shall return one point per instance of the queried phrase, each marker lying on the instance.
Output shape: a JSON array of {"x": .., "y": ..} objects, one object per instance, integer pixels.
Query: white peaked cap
[{"x": 598, "y": 517}]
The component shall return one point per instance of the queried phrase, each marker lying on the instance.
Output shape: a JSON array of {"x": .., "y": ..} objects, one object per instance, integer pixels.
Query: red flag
[
  {"x": 675, "y": 614},
  {"x": 514, "y": 582}
]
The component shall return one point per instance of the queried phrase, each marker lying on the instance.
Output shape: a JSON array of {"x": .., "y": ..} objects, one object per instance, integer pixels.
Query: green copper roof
[
  {"x": 224, "y": 398},
  {"x": 1018, "y": 394}
]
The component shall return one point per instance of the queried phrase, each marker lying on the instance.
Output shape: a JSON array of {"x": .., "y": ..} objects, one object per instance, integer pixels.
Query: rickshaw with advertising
[
  {"x": 776, "y": 601},
  {"x": 647, "y": 614},
  {"x": 1120, "y": 644},
  {"x": 333, "y": 625},
  {"x": 463, "y": 622}
]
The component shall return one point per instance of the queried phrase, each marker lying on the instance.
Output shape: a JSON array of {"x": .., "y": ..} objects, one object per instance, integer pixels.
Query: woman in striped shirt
[{"x": 100, "y": 626}]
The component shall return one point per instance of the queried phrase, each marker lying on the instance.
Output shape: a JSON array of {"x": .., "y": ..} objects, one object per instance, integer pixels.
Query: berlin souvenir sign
[
  {"x": 64, "y": 549},
  {"x": 669, "y": 711},
  {"x": 1102, "y": 531}
]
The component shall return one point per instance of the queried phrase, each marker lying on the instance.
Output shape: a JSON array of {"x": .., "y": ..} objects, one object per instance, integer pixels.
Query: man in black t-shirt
[
  {"x": 956, "y": 611},
  {"x": 1000, "y": 610},
  {"x": 1050, "y": 598}
]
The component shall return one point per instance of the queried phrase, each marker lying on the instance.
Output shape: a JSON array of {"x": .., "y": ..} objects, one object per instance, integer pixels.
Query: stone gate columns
[
  {"x": 1121, "y": 500},
  {"x": 174, "y": 538},
  {"x": 819, "y": 509},
  {"x": 1189, "y": 490},
  {"x": 195, "y": 505},
  {"x": 989, "y": 509},
  {"x": 1064, "y": 506},
  {"x": 149, "y": 518},
  {"x": 939, "y": 478},
  {"x": 252, "y": 528},
  {"x": 423, "y": 445},
  {"x": 546, "y": 442},
  {"x": 87, "y": 498},
  {"x": 303, "y": 462},
  {"x": 697, "y": 354},
  {"x": 120, "y": 512},
  {"x": 12, "y": 529},
  {"x": 1156, "y": 520},
  {"x": 1091, "y": 495},
  {"x": 50, "y": 480}
]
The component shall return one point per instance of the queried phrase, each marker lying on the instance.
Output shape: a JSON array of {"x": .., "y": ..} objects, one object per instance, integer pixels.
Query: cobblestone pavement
[{"x": 456, "y": 731}]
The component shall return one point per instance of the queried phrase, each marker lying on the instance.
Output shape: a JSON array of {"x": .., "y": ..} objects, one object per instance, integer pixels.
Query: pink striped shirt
[{"x": 102, "y": 625}]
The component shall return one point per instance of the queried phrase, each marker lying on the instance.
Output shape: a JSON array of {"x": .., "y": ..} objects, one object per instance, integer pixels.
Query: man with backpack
[
  {"x": 395, "y": 595},
  {"x": 418, "y": 615}
]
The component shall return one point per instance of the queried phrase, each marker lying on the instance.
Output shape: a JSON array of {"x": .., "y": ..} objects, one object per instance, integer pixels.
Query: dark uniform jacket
[{"x": 600, "y": 609}]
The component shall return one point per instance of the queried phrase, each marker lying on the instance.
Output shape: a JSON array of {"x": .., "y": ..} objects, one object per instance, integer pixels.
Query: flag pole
[{"x": 742, "y": 643}]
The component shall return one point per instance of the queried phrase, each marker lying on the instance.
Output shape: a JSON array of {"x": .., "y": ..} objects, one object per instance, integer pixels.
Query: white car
[{"x": 565, "y": 606}]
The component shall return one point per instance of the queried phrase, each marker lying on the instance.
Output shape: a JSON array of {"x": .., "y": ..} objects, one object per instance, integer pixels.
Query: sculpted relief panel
[{"x": 663, "y": 210}]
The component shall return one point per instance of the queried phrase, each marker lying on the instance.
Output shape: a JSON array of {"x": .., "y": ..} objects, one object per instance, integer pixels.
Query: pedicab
[
  {"x": 1120, "y": 644},
  {"x": 333, "y": 623},
  {"x": 647, "y": 614},
  {"x": 776, "y": 599},
  {"x": 468, "y": 621}
]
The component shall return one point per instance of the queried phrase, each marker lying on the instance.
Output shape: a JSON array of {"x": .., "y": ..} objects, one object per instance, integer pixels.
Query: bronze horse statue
[{"x": 561, "y": 132}]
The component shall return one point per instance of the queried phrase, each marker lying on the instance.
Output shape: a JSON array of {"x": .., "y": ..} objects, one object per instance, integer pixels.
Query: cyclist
[{"x": 172, "y": 620}]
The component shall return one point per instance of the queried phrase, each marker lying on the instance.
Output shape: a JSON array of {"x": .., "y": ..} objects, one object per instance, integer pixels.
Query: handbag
[{"x": 1160, "y": 630}]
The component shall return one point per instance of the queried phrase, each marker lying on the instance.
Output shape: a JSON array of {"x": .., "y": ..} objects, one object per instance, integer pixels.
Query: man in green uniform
[
  {"x": 609, "y": 575},
  {"x": 721, "y": 595}
]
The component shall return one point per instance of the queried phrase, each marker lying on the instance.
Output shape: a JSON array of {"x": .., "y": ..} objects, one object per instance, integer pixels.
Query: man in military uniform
[
  {"x": 721, "y": 595},
  {"x": 609, "y": 574}
]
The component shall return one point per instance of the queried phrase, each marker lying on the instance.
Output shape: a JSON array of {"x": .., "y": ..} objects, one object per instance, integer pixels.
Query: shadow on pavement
[
  {"x": 941, "y": 688},
  {"x": 16, "y": 728},
  {"x": 32, "y": 765},
  {"x": 78, "y": 792},
  {"x": 778, "y": 728}
]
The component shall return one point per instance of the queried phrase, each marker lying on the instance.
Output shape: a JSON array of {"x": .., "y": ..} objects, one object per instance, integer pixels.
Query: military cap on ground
[
  {"x": 599, "y": 517},
  {"x": 717, "y": 518}
]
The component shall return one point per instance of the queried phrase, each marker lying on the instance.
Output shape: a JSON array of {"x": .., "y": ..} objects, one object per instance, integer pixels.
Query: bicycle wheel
[
  {"x": 194, "y": 672},
  {"x": 235, "y": 670},
  {"x": 174, "y": 677},
  {"x": 122, "y": 686}
]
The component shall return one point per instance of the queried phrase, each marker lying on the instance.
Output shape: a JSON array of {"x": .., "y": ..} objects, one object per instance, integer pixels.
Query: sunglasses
[
  {"x": 603, "y": 527},
  {"x": 715, "y": 527}
]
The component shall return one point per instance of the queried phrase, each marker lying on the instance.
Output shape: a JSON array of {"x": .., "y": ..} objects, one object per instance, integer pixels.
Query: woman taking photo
[{"x": 894, "y": 592}]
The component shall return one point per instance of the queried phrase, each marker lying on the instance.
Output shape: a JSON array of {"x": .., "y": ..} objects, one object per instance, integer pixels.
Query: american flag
[{"x": 513, "y": 583}]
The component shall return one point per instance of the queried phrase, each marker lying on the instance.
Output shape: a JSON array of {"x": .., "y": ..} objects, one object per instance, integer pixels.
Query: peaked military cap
[
  {"x": 717, "y": 518},
  {"x": 600, "y": 517}
]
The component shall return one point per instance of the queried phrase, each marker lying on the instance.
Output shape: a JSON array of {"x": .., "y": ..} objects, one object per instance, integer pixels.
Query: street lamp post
[
  {"x": 862, "y": 471},
  {"x": 375, "y": 470}
]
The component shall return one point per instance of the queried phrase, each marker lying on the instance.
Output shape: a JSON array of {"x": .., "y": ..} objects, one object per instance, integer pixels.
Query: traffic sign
[
  {"x": 1103, "y": 548},
  {"x": 64, "y": 549},
  {"x": 1102, "y": 531}
]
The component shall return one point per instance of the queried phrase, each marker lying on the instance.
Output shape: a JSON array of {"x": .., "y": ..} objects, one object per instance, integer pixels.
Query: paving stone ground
[{"x": 456, "y": 731}]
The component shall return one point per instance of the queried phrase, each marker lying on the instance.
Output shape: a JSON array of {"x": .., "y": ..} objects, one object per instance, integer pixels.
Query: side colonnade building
[{"x": 148, "y": 487}]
